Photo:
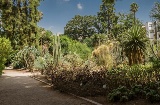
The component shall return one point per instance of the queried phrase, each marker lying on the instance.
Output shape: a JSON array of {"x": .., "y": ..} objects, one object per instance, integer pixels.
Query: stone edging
[{"x": 91, "y": 101}]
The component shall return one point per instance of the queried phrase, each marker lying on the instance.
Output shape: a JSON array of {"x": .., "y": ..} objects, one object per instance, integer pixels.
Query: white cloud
[{"x": 79, "y": 6}]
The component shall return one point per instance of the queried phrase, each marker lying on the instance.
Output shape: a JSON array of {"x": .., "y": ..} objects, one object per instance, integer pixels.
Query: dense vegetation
[
  {"x": 106, "y": 54},
  {"x": 5, "y": 50}
]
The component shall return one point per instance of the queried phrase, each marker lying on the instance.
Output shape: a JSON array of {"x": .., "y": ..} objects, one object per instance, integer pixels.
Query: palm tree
[
  {"x": 134, "y": 43},
  {"x": 134, "y": 9}
]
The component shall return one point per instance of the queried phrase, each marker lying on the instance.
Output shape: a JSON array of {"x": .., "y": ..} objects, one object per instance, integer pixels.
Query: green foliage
[
  {"x": 72, "y": 46},
  {"x": 26, "y": 57},
  {"x": 87, "y": 78},
  {"x": 125, "y": 22},
  {"x": 5, "y": 51},
  {"x": 56, "y": 50},
  {"x": 134, "y": 43},
  {"x": 155, "y": 11},
  {"x": 96, "y": 40},
  {"x": 20, "y": 18},
  {"x": 45, "y": 41},
  {"x": 107, "y": 17},
  {"x": 134, "y": 9},
  {"x": 120, "y": 94},
  {"x": 153, "y": 50},
  {"x": 79, "y": 81},
  {"x": 80, "y": 27},
  {"x": 72, "y": 61},
  {"x": 153, "y": 96},
  {"x": 81, "y": 49},
  {"x": 66, "y": 43},
  {"x": 42, "y": 63}
]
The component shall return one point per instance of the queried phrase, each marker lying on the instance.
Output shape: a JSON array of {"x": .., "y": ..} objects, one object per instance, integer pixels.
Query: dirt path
[{"x": 16, "y": 88}]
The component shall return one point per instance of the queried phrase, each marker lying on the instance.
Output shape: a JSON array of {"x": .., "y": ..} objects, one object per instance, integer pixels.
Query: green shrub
[
  {"x": 95, "y": 80},
  {"x": 152, "y": 91},
  {"x": 26, "y": 57},
  {"x": 96, "y": 40},
  {"x": 72, "y": 46},
  {"x": 5, "y": 50},
  {"x": 79, "y": 81},
  {"x": 42, "y": 63},
  {"x": 149, "y": 91},
  {"x": 120, "y": 94},
  {"x": 153, "y": 96}
]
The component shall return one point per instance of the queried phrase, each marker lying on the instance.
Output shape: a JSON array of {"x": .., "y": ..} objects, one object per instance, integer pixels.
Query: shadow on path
[{"x": 16, "y": 88}]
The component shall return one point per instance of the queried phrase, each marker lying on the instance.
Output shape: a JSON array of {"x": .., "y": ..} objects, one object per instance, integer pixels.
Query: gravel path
[{"x": 16, "y": 88}]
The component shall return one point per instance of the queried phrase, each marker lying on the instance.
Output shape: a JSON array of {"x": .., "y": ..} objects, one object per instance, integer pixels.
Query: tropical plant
[
  {"x": 134, "y": 9},
  {"x": 134, "y": 43}
]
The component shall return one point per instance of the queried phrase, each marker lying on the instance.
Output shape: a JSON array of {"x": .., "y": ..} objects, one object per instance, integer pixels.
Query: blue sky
[{"x": 56, "y": 13}]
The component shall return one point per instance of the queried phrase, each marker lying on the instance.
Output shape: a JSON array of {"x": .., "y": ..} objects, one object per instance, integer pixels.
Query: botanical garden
[{"x": 108, "y": 54}]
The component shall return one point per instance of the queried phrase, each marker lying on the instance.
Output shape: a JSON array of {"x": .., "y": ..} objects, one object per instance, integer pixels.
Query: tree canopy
[
  {"x": 107, "y": 17},
  {"x": 155, "y": 12},
  {"x": 19, "y": 21},
  {"x": 80, "y": 27}
]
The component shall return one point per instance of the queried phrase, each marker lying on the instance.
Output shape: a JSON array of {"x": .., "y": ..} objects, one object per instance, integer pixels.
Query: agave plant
[{"x": 134, "y": 43}]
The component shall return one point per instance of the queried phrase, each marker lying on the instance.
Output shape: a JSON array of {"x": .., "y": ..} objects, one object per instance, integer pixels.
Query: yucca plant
[{"x": 134, "y": 43}]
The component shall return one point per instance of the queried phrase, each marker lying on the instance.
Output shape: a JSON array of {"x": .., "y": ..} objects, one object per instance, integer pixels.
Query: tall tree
[
  {"x": 80, "y": 27},
  {"x": 19, "y": 21},
  {"x": 155, "y": 12},
  {"x": 126, "y": 21},
  {"x": 107, "y": 16},
  {"x": 134, "y": 9}
]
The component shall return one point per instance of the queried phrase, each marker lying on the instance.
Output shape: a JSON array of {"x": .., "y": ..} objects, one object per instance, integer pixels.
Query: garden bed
[{"x": 100, "y": 99}]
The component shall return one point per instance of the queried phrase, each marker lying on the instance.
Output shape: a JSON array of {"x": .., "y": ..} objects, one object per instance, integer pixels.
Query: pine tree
[{"x": 107, "y": 17}]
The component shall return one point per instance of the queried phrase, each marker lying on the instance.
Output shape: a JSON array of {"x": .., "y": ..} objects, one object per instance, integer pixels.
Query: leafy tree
[
  {"x": 125, "y": 22},
  {"x": 134, "y": 9},
  {"x": 107, "y": 17},
  {"x": 80, "y": 27},
  {"x": 69, "y": 46},
  {"x": 5, "y": 50},
  {"x": 95, "y": 40},
  {"x": 19, "y": 21},
  {"x": 45, "y": 39},
  {"x": 155, "y": 12},
  {"x": 134, "y": 42}
]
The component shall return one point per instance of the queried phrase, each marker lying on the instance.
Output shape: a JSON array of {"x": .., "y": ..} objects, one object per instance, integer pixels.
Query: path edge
[{"x": 83, "y": 98}]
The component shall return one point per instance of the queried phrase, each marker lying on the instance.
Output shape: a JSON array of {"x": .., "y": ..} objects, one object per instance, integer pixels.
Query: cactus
[{"x": 56, "y": 50}]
